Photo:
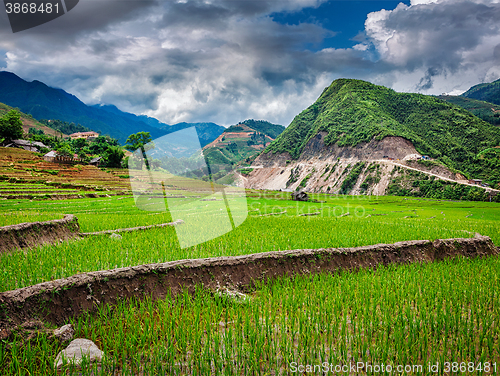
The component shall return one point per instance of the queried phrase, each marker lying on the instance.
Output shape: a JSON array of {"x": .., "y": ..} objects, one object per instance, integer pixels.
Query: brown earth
[
  {"x": 22, "y": 164},
  {"x": 280, "y": 171},
  {"x": 36, "y": 233},
  {"x": 59, "y": 300}
]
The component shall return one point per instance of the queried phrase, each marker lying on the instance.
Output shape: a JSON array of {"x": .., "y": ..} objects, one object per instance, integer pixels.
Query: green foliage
[
  {"x": 304, "y": 181},
  {"x": 65, "y": 150},
  {"x": 352, "y": 178},
  {"x": 137, "y": 141},
  {"x": 489, "y": 92},
  {"x": 36, "y": 131},
  {"x": 232, "y": 147},
  {"x": 113, "y": 156},
  {"x": 234, "y": 128},
  {"x": 489, "y": 112},
  {"x": 269, "y": 129},
  {"x": 11, "y": 127},
  {"x": 353, "y": 111},
  {"x": 64, "y": 126},
  {"x": 246, "y": 171}
]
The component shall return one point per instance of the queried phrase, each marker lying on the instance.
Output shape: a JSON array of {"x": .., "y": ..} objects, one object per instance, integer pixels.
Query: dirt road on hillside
[{"x": 488, "y": 189}]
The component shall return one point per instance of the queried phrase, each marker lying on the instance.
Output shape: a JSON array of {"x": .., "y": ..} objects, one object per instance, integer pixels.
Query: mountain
[
  {"x": 29, "y": 122},
  {"x": 357, "y": 131},
  {"x": 43, "y": 102},
  {"x": 262, "y": 126},
  {"x": 487, "y": 111},
  {"x": 488, "y": 92},
  {"x": 242, "y": 141},
  {"x": 354, "y": 111},
  {"x": 207, "y": 132}
]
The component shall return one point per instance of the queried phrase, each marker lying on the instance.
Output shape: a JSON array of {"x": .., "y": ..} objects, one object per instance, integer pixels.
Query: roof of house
[
  {"x": 91, "y": 133},
  {"x": 29, "y": 143},
  {"x": 51, "y": 154},
  {"x": 95, "y": 160}
]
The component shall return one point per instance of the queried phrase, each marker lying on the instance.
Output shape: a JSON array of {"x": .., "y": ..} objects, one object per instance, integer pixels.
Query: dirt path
[{"x": 431, "y": 174}]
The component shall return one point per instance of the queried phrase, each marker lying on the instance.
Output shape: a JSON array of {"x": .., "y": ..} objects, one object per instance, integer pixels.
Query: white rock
[
  {"x": 65, "y": 333},
  {"x": 116, "y": 236},
  {"x": 77, "y": 350}
]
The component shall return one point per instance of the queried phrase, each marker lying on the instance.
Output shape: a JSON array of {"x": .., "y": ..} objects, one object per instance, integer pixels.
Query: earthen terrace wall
[
  {"x": 58, "y": 300},
  {"x": 32, "y": 234}
]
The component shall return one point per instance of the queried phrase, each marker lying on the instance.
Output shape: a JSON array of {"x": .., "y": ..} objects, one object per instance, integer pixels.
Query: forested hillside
[
  {"x": 489, "y": 92},
  {"x": 354, "y": 111},
  {"x": 487, "y": 111}
]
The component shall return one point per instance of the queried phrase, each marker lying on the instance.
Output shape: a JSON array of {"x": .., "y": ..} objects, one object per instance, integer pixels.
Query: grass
[
  {"x": 418, "y": 314},
  {"x": 426, "y": 219},
  {"x": 413, "y": 315}
]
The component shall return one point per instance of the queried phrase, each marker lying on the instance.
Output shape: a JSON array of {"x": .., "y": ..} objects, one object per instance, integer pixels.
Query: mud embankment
[
  {"x": 32, "y": 234},
  {"x": 58, "y": 300}
]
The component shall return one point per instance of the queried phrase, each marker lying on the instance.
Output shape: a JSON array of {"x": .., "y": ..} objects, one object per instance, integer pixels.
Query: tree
[
  {"x": 114, "y": 156},
  {"x": 78, "y": 144},
  {"x": 64, "y": 150},
  {"x": 11, "y": 127},
  {"x": 138, "y": 141}
]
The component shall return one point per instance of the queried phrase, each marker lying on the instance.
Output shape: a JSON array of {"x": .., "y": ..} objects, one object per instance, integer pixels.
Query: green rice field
[{"x": 442, "y": 317}]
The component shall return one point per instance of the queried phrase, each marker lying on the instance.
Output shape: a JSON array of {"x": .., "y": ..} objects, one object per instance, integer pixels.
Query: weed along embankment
[
  {"x": 36, "y": 233},
  {"x": 61, "y": 299}
]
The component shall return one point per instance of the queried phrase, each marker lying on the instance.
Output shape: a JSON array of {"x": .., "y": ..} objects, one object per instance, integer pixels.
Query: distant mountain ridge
[
  {"x": 44, "y": 102},
  {"x": 488, "y": 92}
]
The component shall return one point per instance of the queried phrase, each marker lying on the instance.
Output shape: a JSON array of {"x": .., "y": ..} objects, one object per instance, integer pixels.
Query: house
[
  {"x": 426, "y": 157},
  {"x": 96, "y": 161},
  {"x": 50, "y": 156},
  {"x": 53, "y": 157},
  {"x": 27, "y": 145},
  {"x": 86, "y": 135}
]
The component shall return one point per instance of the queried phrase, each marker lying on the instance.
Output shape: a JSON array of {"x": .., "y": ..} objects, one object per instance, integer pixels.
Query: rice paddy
[{"x": 439, "y": 318}]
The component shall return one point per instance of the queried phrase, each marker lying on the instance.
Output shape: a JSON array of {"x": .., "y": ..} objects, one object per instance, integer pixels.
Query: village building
[
  {"x": 86, "y": 135},
  {"x": 96, "y": 161},
  {"x": 27, "y": 145}
]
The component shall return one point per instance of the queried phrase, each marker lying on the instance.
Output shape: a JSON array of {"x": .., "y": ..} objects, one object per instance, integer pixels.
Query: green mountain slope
[
  {"x": 487, "y": 111},
  {"x": 243, "y": 141},
  {"x": 489, "y": 92},
  {"x": 354, "y": 111},
  {"x": 262, "y": 126}
]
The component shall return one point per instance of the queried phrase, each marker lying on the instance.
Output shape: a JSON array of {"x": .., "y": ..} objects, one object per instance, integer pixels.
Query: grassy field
[{"x": 406, "y": 315}]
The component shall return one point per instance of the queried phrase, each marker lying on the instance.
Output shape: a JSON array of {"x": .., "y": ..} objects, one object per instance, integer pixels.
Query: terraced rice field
[
  {"x": 20, "y": 166},
  {"x": 442, "y": 316}
]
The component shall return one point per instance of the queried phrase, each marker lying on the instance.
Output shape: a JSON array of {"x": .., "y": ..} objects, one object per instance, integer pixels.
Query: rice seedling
[{"x": 410, "y": 319}]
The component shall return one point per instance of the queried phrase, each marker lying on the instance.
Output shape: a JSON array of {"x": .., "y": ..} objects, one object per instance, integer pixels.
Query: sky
[{"x": 225, "y": 61}]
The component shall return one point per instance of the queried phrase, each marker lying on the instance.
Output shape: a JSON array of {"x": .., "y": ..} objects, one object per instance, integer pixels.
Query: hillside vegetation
[
  {"x": 242, "y": 142},
  {"x": 354, "y": 111},
  {"x": 489, "y": 92},
  {"x": 487, "y": 111},
  {"x": 262, "y": 126}
]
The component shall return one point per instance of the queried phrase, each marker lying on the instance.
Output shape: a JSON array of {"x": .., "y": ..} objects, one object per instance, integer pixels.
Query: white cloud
[
  {"x": 225, "y": 60},
  {"x": 446, "y": 43}
]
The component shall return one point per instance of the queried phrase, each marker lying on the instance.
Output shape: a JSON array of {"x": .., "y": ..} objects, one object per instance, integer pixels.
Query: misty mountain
[{"x": 44, "y": 102}]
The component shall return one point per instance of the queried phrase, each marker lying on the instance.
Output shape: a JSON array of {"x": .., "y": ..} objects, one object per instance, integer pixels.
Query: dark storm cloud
[{"x": 227, "y": 60}]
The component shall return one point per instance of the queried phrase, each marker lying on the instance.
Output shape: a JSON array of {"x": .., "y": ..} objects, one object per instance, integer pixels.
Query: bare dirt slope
[{"x": 322, "y": 168}]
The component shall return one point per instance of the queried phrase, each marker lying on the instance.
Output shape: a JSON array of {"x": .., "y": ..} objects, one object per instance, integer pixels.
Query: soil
[
  {"x": 57, "y": 301},
  {"x": 36, "y": 233},
  {"x": 273, "y": 171}
]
